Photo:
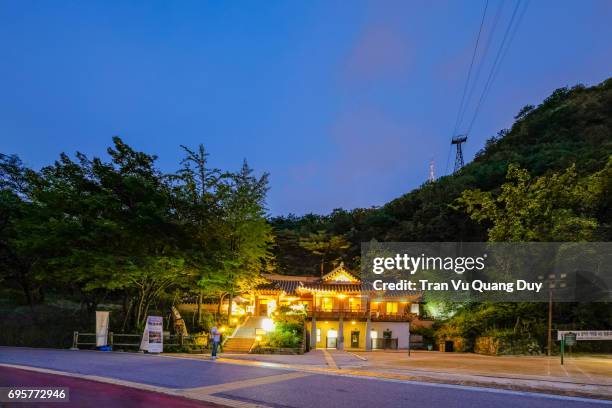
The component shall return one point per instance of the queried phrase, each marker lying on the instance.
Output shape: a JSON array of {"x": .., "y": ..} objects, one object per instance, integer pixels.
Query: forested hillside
[
  {"x": 117, "y": 233},
  {"x": 571, "y": 126}
]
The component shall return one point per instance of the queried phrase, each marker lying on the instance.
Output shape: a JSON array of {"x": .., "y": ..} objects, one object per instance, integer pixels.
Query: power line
[
  {"x": 484, "y": 13},
  {"x": 482, "y": 60},
  {"x": 514, "y": 30},
  {"x": 503, "y": 49},
  {"x": 465, "y": 87}
]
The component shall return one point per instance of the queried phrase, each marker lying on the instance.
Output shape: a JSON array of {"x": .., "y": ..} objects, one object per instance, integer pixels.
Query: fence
[
  {"x": 384, "y": 343},
  {"x": 192, "y": 342}
]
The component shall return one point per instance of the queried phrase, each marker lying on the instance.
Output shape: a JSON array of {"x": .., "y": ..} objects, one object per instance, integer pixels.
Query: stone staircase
[
  {"x": 243, "y": 338},
  {"x": 238, "y": 345}
]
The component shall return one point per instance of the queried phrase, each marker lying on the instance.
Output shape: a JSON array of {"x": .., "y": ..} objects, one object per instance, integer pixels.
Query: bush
[
  {"x": 428, "y": 333},
  {"x": 283, "y": 338},
  {"x": 289, "y": 330},
  {"x": 504, "y": 342}
]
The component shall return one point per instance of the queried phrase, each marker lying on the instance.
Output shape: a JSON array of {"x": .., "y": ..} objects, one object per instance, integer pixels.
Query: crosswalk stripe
[
  {"x": 329, "y": 359},
  {"x": 218, "y": 388}
]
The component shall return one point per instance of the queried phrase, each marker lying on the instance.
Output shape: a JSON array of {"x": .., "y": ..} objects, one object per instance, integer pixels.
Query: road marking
[
  {"x": 565, "y": 371},
  {"x": 230, "y": 402},
  {"x": 358, "y": 356},
  {"x": 416, "y": 378},
  {"x": 574, "y": 364},
  {"x": 219, "y": 388},
  {"x": 329, "y": 359},
  {"x": 168, "y": 391},
  {"x": 397, "y": 378},
  {"x": 82, "y": 376}
]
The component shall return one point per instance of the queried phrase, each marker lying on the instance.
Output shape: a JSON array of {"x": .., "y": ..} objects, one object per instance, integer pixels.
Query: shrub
[{"x": 283, "y": 338}]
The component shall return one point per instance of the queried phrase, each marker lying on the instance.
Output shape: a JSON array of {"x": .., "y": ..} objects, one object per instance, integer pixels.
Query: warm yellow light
[
  {"x": 234, "y": 320},
  {"x": 222, "y": 329},
  {"x": 267, "y": 324},
  {"x": 341, "y": 296},
  {"x": 258, "y": 338},
  {"x": 353, "y": 322},
  {"x": 326, "y": 322}
]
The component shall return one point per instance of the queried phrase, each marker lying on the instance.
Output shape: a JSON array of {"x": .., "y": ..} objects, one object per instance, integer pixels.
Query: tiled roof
[
  {"x": 335, "y": 287},
  {"x": 290, "y": 285}
]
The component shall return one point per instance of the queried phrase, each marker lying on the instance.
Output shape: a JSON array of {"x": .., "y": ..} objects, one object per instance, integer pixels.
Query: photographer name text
[{"x": 458, "y": 285}]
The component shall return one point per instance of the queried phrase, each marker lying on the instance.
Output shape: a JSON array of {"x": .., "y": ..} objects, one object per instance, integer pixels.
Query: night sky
[{"x": 344, "y": 103}]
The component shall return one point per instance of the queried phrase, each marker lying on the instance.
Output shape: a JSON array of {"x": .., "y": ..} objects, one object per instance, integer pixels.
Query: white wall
[{"x": 399, "y": 330}]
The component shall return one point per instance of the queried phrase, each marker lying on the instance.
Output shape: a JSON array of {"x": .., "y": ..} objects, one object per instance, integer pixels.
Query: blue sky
[{"x": 344, "y": 103}]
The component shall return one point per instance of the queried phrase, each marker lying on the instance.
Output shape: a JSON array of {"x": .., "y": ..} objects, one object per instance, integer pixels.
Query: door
[
  {"x": 263, "y": 309},
  {"x": 331, "y": 340},
  {"x": 354, "y": 339}
]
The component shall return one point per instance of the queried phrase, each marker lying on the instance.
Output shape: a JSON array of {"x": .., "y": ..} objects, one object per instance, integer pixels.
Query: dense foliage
[
  {"x": 548, "y": 178},
  {"x": 570, "y": 127},
  {"x": 121, "y": 231},
  {"x": 118, "y": 231},
  {"x": 288, "y": 331}
]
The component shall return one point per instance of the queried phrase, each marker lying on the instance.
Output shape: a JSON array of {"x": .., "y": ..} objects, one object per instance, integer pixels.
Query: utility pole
[
  {"x": 458, "y": 141},
  {"x": 552, "y": 281},
  {"x": 550, "y": 306}
]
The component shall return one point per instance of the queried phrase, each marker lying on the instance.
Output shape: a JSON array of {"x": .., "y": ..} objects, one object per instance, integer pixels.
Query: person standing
[{"x": 215, "y": 339}]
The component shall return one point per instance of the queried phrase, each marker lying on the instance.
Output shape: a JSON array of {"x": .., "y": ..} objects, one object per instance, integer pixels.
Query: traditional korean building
[{"x": 342, "y": 311}]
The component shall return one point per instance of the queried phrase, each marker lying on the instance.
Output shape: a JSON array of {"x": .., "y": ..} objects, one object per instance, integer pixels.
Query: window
[
  {"x": 327, "y": 304},
  {"x": 354, "y": 304},
  {"x": 373, "y": 334},
  {"x": 332, "y": 334},
  {"x": 414, "y": 308},
  {"x": 391, "y": 307},
  {"x": 318, "y": 335}
]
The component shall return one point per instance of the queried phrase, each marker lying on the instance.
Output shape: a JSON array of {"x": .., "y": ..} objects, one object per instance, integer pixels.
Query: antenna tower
[{"x": 432, "y": 174}]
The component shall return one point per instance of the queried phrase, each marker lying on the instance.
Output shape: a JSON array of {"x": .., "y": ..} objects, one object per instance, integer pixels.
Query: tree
[
  {"x": 328, "y": 247},
  {"x": 20, "y": 229},
  {"x": 245, "y": 233},
  {"x": 547, "y": 208},
  {"x": 196, "y": 188}
]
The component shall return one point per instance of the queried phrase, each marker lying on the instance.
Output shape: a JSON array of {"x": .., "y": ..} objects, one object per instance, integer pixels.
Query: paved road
[
  {"x": 85, "y": 393},
  {"x": 228, "y": 383}
]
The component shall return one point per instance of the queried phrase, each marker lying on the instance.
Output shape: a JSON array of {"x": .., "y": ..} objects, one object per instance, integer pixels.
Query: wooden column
[
  {"x": 313, "y": 333},
  {"x": 368, "y": 335}
]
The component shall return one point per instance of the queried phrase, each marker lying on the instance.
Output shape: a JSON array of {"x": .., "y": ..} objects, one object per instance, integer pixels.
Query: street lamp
[{"x": 552, "y": 282}]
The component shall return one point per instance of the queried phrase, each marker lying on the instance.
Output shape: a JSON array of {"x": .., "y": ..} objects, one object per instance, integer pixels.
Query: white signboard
[
  {"x": 153, "y": 336},
  {"x": 102, "y": 328},
  {"x": 587, "y": 334}
]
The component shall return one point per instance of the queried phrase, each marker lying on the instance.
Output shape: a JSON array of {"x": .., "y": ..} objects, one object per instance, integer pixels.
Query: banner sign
[
  {"x": 153, "y": 336},
  {"x": 587, "y": 334},
  {"x": 489, "y": 271},
  {"x": 102, "y": 319}
]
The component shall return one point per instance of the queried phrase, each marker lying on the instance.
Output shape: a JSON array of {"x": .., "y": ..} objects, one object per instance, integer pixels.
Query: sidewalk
[
  {"x": 581, "y": 376},
  {"x": 581, "y": 370}
]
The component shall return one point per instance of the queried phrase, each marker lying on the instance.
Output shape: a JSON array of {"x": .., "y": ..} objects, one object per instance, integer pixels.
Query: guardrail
[{"x": 172, "y": 340}]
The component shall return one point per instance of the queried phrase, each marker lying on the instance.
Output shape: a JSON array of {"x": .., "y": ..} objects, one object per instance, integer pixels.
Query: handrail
[
  {"x": 372, "y": 314},
  {"x": 111, "y": 339}
]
